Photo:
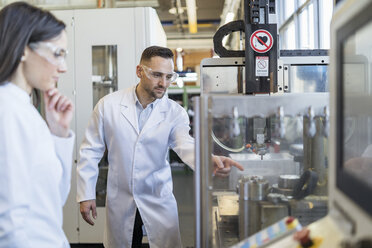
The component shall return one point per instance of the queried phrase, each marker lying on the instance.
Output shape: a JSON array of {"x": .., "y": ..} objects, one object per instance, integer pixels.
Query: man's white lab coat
[{"x": 139, "y": 175}]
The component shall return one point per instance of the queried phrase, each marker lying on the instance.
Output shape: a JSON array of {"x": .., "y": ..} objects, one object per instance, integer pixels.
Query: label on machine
[
  {"x": 262, "y": 66},
  {"x": 261, "y": 41}
]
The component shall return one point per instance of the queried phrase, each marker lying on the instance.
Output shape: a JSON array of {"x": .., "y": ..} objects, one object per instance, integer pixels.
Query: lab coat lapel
[
  {"x": 157, "y": 114},
  {"x": 128, "y": 109}
]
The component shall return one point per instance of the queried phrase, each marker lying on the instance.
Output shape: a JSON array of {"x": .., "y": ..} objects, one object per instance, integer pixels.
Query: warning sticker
[
  {"x": 262, "y": 66},
  {"x": 261, "y": 41}
]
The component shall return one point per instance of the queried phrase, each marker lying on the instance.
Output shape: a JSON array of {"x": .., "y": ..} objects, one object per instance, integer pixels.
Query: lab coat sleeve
[
  {"x": 15, "y": 181},
  {"x": 181, "y": 141},
  {"x": 64, "y": 148},
  {"x": 91, "y": 152}
]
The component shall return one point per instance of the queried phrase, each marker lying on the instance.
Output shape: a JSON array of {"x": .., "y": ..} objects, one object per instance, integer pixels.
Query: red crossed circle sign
[{"x": 261, "y": 41}]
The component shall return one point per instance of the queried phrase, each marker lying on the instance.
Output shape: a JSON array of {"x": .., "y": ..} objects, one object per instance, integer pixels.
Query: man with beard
[{"x": 138, "y": 126}]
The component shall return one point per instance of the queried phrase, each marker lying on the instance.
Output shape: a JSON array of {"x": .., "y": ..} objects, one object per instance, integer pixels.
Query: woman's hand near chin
[{"x": 58, "y": 112}]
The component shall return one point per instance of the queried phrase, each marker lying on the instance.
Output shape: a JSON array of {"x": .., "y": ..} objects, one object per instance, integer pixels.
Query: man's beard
[{"x": 155, "y": 95}]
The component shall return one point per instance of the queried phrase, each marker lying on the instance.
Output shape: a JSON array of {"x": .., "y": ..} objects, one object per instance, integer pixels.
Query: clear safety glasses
[
  {"x": 169, "y": 77},
  {"x": 53, "y": 54}
]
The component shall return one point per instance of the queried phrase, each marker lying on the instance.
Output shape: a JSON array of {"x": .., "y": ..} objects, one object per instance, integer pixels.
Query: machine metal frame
[{"x": 208, "y": 107}]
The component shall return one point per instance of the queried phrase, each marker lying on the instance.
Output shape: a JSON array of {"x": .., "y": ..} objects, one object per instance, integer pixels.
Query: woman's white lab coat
[
  {"x": 139, "y": 175},
  {"x": 35, "y": 175}
]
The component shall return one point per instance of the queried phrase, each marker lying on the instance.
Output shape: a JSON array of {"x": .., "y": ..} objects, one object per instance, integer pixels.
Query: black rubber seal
[{"x": 310, "y": 179}]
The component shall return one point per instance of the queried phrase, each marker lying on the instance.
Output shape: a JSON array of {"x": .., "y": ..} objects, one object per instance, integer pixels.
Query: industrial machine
[
  {"x": 284, "y": 159},
  {"x": 282, "y": 140}
]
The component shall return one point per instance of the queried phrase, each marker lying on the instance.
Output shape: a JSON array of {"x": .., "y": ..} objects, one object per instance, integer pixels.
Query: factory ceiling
[
  {"x": 176, "y": 25},
  {"x": 173, "y": 15}
]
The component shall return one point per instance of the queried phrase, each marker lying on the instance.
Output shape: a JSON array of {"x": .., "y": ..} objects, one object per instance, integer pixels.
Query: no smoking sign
[{"x": 261, "y": 41}]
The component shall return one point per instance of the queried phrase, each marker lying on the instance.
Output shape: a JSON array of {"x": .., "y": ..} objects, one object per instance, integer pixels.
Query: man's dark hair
[
  {"x": 154, "y": 51},
  {"x": 20, "y": 25}
]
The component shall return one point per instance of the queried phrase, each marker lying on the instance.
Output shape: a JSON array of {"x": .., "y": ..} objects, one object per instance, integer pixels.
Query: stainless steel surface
[
  {"x": 315, "y": 157},
  {"x": 296, "y": 150},
  {"x": 255, "y": 209},
  {"x": 252, "y": 189},
  {"x": 303, "y": 74},
  {"x": 276, "y": 198},
  {"x": 263, "y": 105},
  {"x": 282, "y": 191},
  {"x": 222, "y": 75},
  {"x": 197, "y": 173},
  {"x": 271, "y": 165},
  {"x": 288, "y": 181},
  {"x": 205, "y": 180}
]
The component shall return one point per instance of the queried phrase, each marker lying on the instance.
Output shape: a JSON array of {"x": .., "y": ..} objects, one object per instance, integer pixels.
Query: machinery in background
[
  {"x": 298, "y": 71},
  {"x": 286, "y": 176},
  {"x": 101, "y": 60},
  {"x": 303, "y": 71},
  {"x": 261, "y": 45},
  {"x": 287, "y": 169}
]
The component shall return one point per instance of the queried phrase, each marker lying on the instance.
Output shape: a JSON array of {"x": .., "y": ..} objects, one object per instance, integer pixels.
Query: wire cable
[{"x": 226, "y": 147}]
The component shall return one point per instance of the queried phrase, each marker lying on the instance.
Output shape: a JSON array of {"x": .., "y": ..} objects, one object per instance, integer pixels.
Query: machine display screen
[
  {"x": 354, "y": 114},
  {"x": 357, "y": 92}
]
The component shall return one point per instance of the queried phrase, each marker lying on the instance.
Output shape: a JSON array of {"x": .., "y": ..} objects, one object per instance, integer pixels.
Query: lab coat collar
[
  {"x": 128, "y": 110},
  {"x": 18, "y": 92},
  {"x": 157, "y": 114}
]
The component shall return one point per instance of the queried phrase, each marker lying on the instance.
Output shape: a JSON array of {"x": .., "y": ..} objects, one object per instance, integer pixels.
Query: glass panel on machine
[
  {"x": 308, "y": 78},
  {"x": 104, "y": 65},
  {"x": 104, "y": 81},
  {"x": 279, "y": 151},
  {"x": 357, "y": 114}
]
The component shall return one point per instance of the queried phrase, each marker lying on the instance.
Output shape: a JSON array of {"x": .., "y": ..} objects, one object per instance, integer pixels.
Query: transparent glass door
[{"x": 104, "y": 81}]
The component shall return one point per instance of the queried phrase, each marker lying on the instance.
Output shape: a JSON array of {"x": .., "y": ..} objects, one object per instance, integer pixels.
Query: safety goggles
[
  {"x": 53, "y": 54},
  {"x": 169, "y": 77}
]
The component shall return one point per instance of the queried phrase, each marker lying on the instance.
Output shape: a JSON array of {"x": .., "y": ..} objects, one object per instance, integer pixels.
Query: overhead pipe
[
  {"x": 191, "y": 14},
  {"x": 177, "y": 5}
]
